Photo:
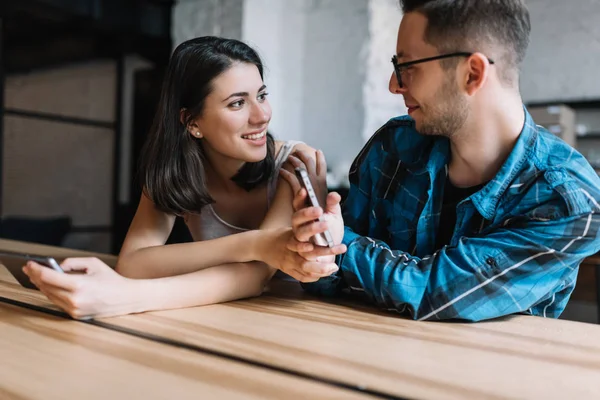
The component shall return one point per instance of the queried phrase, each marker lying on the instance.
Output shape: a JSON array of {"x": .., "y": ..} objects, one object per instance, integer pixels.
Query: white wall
[
  {"x": 563, "y": 59},
  {"x": 380, "y": 104},
  {"x": 336, "y": 39},
  {"x": 193, "y": 18},
  {"x": 314, "y": 52},
  {"x": 276, "y": 30}
]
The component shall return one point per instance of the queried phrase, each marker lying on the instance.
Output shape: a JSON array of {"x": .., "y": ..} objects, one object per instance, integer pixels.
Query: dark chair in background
[{"x": 50, "y": 231}]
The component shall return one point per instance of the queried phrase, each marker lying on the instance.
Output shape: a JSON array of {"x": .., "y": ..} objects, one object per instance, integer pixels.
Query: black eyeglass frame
[{"x": 399, "y": 66}]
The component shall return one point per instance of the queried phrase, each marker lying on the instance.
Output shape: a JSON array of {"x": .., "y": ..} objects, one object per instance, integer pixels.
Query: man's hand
[
  {"x": 305, "y": 224},
  {"x": 305, "y": 221},
  {"x": 95, "y": 291},
  {"x": 277, "y": 254},
  {"x": 316, "y": 169}
]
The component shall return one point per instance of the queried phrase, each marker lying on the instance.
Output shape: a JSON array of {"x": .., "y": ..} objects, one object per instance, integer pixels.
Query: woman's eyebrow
[
  {"x": 243, "y": 94},
  {"x": 238, "y": 94}
]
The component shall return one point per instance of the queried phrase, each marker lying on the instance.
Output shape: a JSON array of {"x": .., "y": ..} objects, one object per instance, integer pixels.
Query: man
[{"x": 466, "y": 209}]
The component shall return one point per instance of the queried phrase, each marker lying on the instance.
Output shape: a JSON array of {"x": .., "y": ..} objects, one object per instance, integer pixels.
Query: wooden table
[
  {"x": 352, "y": 346},
  {"x": 46, "y": 357}
]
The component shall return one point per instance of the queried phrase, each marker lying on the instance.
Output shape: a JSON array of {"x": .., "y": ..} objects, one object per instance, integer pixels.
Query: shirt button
[{"x": 491, "y": 262}]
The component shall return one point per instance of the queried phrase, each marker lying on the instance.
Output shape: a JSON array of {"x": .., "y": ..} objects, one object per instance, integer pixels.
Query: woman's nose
[{"x": 260, "y": 114}]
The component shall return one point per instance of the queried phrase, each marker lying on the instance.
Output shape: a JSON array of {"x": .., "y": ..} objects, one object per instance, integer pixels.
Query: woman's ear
[
  {"x": 192, "y": 127},
  {"x": 183, "y": 116},
  {"x": 194, "y": 131}
]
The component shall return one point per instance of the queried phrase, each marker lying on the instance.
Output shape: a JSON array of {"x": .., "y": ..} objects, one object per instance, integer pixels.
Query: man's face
[{"x": 431, "y": 94}]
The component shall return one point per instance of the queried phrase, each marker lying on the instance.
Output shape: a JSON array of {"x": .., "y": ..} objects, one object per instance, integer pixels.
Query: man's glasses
[{"x": 399, "y": 68}]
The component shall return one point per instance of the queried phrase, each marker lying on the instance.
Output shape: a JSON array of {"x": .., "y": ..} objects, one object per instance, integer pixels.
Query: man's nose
[{"x": 394, "y": 86}]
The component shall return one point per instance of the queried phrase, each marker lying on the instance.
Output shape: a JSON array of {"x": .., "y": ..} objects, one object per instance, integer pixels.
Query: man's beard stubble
[{"x": 449, "y": 115}]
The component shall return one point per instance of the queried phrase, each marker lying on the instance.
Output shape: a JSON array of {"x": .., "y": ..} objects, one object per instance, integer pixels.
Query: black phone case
[{"x": 14, "y": 263}]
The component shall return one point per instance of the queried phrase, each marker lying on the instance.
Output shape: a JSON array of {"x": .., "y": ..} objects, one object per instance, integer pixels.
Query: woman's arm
[
  {"x": 145, "y": 255},
  {"x": 101, "y": 292}
]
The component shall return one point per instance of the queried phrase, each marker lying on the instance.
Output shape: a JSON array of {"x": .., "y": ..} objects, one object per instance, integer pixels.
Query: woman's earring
[{"x": 198, "y": 134}]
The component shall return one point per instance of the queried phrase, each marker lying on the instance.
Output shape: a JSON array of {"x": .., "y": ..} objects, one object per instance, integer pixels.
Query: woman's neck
[{"x": 220, "y": 169}]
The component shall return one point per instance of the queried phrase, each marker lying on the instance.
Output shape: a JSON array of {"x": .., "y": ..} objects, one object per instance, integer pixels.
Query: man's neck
[{"x": 483, "y": 144}]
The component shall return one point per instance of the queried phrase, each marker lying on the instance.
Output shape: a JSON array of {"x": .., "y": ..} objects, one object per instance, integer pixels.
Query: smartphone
[
  {"x": 320, "y": 239},
  {"x": 14, "y": 263}
]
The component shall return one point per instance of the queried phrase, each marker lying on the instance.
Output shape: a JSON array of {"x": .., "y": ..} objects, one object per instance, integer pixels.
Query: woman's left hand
[{"x": 89, "y": 288}]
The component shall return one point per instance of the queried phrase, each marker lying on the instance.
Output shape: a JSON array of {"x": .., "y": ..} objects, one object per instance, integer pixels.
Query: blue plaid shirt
[{"x": 517, "y": 242}]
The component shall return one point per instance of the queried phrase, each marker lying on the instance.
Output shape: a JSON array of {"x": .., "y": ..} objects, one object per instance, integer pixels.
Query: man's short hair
[{"x": 500, "y": 27}]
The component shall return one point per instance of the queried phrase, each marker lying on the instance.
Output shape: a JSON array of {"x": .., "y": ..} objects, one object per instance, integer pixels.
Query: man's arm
[
  {"x": 507, "y": 271},
  {"x": 526, "y": 265}
]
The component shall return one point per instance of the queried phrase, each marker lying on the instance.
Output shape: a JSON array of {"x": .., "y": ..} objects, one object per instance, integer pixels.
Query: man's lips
[{"x": 412, "y": 109}]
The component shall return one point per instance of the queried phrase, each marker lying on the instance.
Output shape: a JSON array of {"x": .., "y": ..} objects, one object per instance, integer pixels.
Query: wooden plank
[{"x": 45, "y": 357}]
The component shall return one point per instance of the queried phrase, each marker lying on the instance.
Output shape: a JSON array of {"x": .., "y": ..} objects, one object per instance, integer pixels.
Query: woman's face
[{"x": 236, "y": 115}]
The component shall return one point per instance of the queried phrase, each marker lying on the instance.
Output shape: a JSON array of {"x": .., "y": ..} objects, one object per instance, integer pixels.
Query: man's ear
[{"x": 477, "y": 72}]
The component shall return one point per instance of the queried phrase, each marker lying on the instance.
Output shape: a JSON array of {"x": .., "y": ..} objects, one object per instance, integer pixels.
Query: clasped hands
[{"x": 293, "y": 252}]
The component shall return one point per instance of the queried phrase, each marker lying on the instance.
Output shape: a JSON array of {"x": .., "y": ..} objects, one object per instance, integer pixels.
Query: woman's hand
[{"x": 89, "y": 288}]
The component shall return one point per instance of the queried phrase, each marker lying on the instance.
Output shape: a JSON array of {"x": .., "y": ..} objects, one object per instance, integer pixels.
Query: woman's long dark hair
[{"x": 172, "y": 161}]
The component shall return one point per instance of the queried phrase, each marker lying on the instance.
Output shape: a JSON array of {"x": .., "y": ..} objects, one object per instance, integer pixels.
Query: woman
[{"x": 209, "y": 159}]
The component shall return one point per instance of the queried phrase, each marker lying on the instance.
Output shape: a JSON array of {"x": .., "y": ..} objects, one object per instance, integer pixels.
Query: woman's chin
[{"x": 256, "y": 156}]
